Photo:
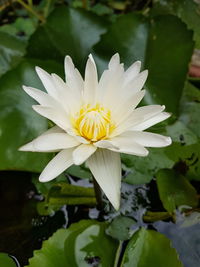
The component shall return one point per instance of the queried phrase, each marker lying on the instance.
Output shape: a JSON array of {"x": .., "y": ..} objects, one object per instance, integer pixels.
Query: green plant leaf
[
  {"x": 190, "y": 106},
  {"x": 6, "y": 260},
  {"x": 67, "y": 32},
  {"x": 19, "y": 124},
  {"x": 142, "y": 170},
  {"x": 179, "y": 132},
  {"x": 120, "y": 228},
  {"x": 52, "y": 252},
  {"x": 79, "y": 171},
  {"x": 89, "y": 243},
  {"x": 150, "y": 248},
  {"x": 11, "y": 51},
  {"x": 175, "y": 190},
  {"x": 186, "y": 10},
  {"x": 75, "y": 246},
  {"x": 146, "y": 41},
  {"x": 186, "y": 159}
]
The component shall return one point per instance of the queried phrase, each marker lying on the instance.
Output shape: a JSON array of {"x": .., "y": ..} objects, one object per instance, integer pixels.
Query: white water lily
[{"x": 95, "y": 121}]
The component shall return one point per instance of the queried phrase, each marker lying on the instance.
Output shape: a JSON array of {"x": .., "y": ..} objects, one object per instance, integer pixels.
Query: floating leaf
[
  {"x": 141, "y": 170},
  {"x": 19, "y": 124},
  {"x": 76, "y": 30},
  {"x": 120, "y": 228},
  {"x": 150, "y": 248},
  {"x": 146, "y": 41},
  {"x": 11, "y": 51},
  {"x": 81, "y": 241},
  {"x": 175, "y": 190},
  {"x": 88, "y": 244},
  {"x": 7, "y": 261}
]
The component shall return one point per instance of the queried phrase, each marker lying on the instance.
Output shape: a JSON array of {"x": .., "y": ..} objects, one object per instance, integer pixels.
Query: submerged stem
[{"x": 98, "y": 194}]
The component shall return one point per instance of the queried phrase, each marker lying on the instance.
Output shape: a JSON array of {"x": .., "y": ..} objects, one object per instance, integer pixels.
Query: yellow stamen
[{"x": 93, "y": 122}]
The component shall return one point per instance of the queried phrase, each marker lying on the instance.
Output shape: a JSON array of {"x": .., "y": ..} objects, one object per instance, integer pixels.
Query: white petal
[
  {"x": 51, "y": 142},
  {"x": 69, "y": 100},
  {"x": 73, "y": 77},
  {"x": 40, "y": 96},
  {"x": 122, "y": 144},
  {"x": 105, "y": 165},
  {"x": 82, "y": 153},
  {"x": 132, "y": 72},
  {"x": 91, "y": 81},
  {"x": 151, "y": 121},
  {"x": 114, "y": 61},
  {"x": 138, "y": 118},
  {"x": 138, "y": 82},
  {"x": 58, "y": 116},
  {"x": 47, "y": 82},
  {"x": 110, "y": 80},
  {"x": 147, "y": 139},
  {"x": 123, "y": 110},
  {"x": 57, "y": 165}
]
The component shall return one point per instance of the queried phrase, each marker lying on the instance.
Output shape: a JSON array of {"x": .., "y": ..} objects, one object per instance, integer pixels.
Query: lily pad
[
  {"x": 175, "y": 190},
  {"x": 150, "y": 248},
  {"x": 19, "y": 124},
  {"x": 77, "y": 246}
]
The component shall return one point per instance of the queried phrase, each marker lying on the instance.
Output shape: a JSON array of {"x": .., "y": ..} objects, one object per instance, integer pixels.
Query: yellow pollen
[{"x": 93, "y": 122}]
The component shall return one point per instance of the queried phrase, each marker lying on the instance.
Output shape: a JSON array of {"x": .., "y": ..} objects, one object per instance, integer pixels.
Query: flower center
[{"x": 93, "y": 122}]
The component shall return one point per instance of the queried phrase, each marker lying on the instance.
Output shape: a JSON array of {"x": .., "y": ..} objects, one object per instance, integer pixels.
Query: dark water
[{"x": 22, "y": 230}]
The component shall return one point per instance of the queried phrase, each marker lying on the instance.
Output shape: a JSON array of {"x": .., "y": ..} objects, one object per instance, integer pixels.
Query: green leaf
[
  {"x": 175, "y": 190},
  {"x": 190, "y": 106},
  {"x": 142, "y": 169},
  {"x": 67, "y": 32},
  {"x": 79, "y": 172},
  {"x": 186, "y": 158},
  {"x": 61, "y": 193},
  {"x": 19, "y": 124},
  {"x": 186, "y": 10},
  {"x": 167, "y": 73},
  {"x": 146, "y": 41},
  {"x": 120, "y": 228},
  {"x": 21, "y": 28},
  {"x": 11, "y": 51},
  {"x": 52, "y": 252},
  {"x": 179, "y": 132},
  {"x": 150, "y": 248},
  {"x": 81, "y": 241},
  {"x": 89, "y": 242},
  {"x": 6, "y": 260},
  {"x": 67, "y": 194}
]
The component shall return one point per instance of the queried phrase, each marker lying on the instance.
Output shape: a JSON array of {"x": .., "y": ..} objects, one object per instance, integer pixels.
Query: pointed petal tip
[
  {"x": 168, "y": 141},
  {"x": 38, "y": 69},
  {"x": 68, "y": 59},
  {"x": 27, "y": 147},
  {"x": 43, "y": 179},
  {"x": 116, "y": 205}
]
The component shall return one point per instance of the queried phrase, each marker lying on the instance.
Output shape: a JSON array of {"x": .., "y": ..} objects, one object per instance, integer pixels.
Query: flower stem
[
  {"x": 118, "y": 253},
  {"x": 98, "y": 194}
]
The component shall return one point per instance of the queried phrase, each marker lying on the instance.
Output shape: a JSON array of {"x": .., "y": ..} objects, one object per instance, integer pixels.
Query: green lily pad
[
  {"x": 175, "y": 190},
  {"x": 81, "y": 243},
  {"x": 11, "y": 51},
  {"x": 120, "y": 228},
  {"x": 19, "y": 124},
  {"x": 150, "y": 248},
  {"x": 146, "y": 41},
  {"x": 6, "y": 260},
  {"x": 67, "y": 31}
]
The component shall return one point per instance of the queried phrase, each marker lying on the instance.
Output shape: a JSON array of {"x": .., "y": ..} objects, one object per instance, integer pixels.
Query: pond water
[{"x": 22, "y": 230}]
